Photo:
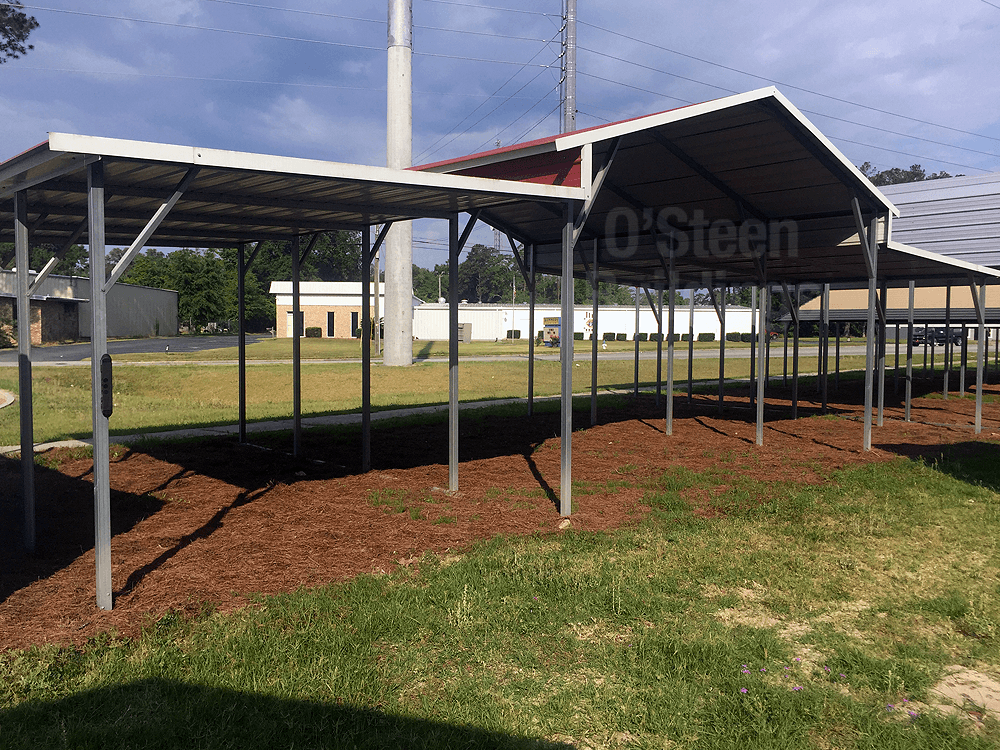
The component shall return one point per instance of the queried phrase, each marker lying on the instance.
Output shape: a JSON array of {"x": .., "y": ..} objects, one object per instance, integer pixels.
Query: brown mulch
[{"x": 213, "y": 522}]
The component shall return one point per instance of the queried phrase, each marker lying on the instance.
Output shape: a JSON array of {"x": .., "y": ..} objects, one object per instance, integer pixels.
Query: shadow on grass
[
  {"x": 976, "y": 463},
  {"x": 160, "y": 713}
]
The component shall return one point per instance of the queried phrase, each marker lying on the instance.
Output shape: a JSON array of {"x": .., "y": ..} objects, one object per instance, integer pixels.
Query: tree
[
  {"x": 485, "y": 275},
  {"x": 897, "y": 176},
  {"x": 15, "y": 26},
  {"x": 200, "y": 281}
]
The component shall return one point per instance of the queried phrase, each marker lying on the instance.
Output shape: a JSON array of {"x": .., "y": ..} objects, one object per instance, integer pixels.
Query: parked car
[{"x": 936, "y": 336}]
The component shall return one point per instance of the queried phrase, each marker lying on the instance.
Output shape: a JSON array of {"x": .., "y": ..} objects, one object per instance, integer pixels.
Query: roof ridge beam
[{"x": 708, "y": 176}]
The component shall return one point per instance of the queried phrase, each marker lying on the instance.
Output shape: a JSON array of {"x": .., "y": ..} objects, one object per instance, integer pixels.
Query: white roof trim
[
  {"x": 207, "y": 157},
  {"x": 947, "y": 260}
]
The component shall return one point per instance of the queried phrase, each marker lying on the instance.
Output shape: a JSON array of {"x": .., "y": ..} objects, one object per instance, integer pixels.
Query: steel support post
[
  {"x": 762, "y": 356},
  {"x": 909, "y": 352},
  {"x": 531, "y": 338},
  {"x": 963, "y": 354},
  {"x": 895, "y": 366},
  {"x": 819, "y": 342},
  {"x": 836, "y": 365},
  {"x": 99, "y": 347},
  {"x": 870, "y": 354},
  {"x": 25, "y": 401},
  {"x": 690, "y": 348},
  {"x": 242, "y": 315},
  {"x": 753, "y": 342},
  {"x": 784, "y": 356},
  {"x": 595, "y": 307},
  {"x": 635, "y": 391},
  {"x": 947, "y": 340},
  {"x": 453, "y": 251},
  {"x": 824, "y": 347},
  {"x": 296, "y": 350},
  {"x": 566, "y": 361},
  {"x": 659, "y": 345},
  {"x": 981, "y": 349},
  {"x": 366, "y": 351},
  {"x": 671, "y": 310},
  {"x": 881, "y": 356},
  {"x": 795, "y": 357}
]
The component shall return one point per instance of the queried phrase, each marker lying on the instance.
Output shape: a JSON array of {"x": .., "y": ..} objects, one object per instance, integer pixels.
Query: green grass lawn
[
  {"x": 799, "y": 617},
  {"x": 160, "y": 398}
]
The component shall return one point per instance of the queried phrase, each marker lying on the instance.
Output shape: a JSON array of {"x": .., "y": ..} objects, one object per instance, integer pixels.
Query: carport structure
[
  {"x": 738, "y": 191},
  {"x": 97, "y": 191}
]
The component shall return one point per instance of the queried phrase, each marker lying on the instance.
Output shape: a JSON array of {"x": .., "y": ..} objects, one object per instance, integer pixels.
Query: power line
[
  {"x": 789, "y": 85},
  {"x": 268, "y": 36},
  {"x": 138, "y": 74},
  {"x": 539, "y": 122},
  {"x": 431, "y": 150},
  {"x": 492, "y": 7},
  {"x": 832, "y": 137},
  {"x": 818, "y": 114},
  {"x": 513, "y": 122}
]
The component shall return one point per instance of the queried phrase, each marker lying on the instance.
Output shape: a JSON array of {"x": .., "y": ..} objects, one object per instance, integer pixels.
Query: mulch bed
[{"x": 214, "y": 522}]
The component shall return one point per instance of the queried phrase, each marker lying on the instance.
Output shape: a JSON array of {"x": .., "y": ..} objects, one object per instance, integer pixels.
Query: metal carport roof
[{"x": 718, "y": 177}]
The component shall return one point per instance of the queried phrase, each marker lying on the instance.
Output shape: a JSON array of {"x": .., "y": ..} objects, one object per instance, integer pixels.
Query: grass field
[
  {"x": 281, "y": 349},
  {"x": 160, "y": 398},
  {"x": 798, "y": 617}
]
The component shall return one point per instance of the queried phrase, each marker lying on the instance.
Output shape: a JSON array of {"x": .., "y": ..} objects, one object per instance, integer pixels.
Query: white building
[{"x": 492, "y": 322}]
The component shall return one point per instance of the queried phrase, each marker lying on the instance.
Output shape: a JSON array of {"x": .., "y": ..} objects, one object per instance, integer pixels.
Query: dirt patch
[{"x": 214, "y": 522}]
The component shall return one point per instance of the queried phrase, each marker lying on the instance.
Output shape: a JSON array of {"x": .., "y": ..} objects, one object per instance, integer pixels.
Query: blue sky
[{"x": 894, "y": 83}]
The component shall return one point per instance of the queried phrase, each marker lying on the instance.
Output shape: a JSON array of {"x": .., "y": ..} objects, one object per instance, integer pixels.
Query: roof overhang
[{"x": 235, "y": 196}]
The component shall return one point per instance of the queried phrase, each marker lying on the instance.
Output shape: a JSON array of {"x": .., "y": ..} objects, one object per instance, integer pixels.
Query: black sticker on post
[{"x": 107, "y": 402}]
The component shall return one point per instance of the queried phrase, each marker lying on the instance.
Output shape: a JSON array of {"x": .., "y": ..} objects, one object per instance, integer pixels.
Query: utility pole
[
  {"x": 398, "y": 349},
  {"x": 569, "y": 67}
]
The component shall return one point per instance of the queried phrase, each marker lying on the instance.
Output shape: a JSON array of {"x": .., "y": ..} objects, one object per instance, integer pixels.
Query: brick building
[{"x": 332, "y": 306}]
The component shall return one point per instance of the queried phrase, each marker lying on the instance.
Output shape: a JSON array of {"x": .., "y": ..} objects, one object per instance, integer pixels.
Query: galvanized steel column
[
  {"x": 296, "y": 351},
  {"x": 566, "y": 360},
  {"x": 980, "y": 356},
  {"x": 881, "y": 356},
  {"x": 753, "y": 342},
  {"x": 824, "y": 348},
  {"x": 24, "y": 395},
  {"x": 595, "y": 306},
  {"x": 531, "y": 338},
  {"x": 99, "y": 347},
  {"x": 761, "y": 344},
  {"x": 691, "y": 349},
  {"x": 366, "y": 350},
  {"x": 871, "y": 249},
  {"x": 659, "y": 345},
  {"x": 636, "y": 337},
  {"x": 671, "y": 307},
  {"x": 453, "y": 251},
  {"x": 947, "y": 341},
  {"x": 241, "y": 314},
  {"x": 795, "y": 356},
  {"x": 909, "y": 353}
]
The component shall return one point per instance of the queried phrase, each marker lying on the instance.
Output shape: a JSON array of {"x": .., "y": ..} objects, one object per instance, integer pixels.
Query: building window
[
  {"x": 330, "y": 330},
  {"x": 355, "y": 324}
]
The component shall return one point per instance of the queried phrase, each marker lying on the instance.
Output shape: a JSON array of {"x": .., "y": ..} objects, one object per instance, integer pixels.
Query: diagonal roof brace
[
  {"x": 867, "y": 243},
  {"x": 980, "y": 312},
  {"x": 598, "y": 181},
  {"x": 652, "y": 306},
  {"x": 150, "y": 228},
  {"x": 378, "y": 242}
]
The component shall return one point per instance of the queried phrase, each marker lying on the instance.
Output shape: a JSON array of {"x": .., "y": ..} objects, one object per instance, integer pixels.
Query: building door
[
  {"x": 330, "y": 330},
  {"x": 289, "y": 331}
]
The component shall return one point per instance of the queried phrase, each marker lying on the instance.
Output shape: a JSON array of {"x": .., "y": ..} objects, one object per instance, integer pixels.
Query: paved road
[
  {"x": 79, "y": 352},
  {"x": 75, "y": 354}
]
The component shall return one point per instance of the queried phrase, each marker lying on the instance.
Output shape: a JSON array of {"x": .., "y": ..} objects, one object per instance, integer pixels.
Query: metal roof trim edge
[
  {"x": 946, "y": 260},
  {"x": 240, "y": 160},
  {"x": 816, "y": 133}
]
